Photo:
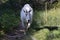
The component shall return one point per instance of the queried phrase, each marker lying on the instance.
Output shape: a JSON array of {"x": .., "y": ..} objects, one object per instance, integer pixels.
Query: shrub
[{"x": 9, "y": 19}]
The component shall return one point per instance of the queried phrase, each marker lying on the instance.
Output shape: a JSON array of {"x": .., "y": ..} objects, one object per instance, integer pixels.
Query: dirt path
[{"x": 15, "y": 35}]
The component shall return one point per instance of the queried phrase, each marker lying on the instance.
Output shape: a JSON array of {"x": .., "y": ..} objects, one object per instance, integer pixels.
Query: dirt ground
[{"x": 18, "y": 34}]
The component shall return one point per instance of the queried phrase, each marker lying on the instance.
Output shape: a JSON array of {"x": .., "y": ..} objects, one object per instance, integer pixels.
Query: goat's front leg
[{"x": 23, "y": 24}]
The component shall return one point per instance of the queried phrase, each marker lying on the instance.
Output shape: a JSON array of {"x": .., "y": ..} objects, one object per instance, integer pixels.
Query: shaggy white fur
[{"x": 26, "y": 15}]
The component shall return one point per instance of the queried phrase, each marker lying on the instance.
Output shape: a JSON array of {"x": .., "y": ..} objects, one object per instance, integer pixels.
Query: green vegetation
[
  {"x": 48, "y": 17},
  {"x": 42, "y": 34},
  {"x": 45, "y": 34},
  {"x": 43, "y": 16},
  {"x": 9, "y": 19}
]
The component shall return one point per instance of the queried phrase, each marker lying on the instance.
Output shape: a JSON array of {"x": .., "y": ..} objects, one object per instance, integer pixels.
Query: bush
[
  {"x": 42, "y": 34},
  {"x": 48, "y": 17},
  {"x": 54, "y": 35},
  {"x": 9, "y": 19}
]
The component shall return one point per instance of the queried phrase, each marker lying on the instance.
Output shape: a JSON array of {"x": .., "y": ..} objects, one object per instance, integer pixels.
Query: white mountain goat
[{"x": 26, "y": 16}]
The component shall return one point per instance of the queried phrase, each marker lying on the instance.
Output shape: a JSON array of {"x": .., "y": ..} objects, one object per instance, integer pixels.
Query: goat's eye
[
  {"x": 30, "y": 11},
  {"x": 23, "y": 10}
]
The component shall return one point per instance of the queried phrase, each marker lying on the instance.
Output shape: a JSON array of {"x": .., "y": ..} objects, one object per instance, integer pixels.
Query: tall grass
[{"x": 49, "y": 17}]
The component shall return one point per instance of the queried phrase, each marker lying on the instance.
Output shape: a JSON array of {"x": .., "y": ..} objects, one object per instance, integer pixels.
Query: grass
[
  {"x": 42, "y": 34},
  {"x": 45, "y": 34},
  {"x": 9, "y": 19},
  {"x": 49, "y": 17}
]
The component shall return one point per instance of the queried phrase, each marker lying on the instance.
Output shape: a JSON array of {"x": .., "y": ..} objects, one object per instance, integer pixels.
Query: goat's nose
[{"x": 28, "y": 21}]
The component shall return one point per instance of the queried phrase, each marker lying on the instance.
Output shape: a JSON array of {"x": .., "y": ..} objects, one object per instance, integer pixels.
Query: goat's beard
[{"x": 27, "y": 24}]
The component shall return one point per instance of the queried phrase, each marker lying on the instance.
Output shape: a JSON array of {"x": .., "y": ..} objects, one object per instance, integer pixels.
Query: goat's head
[{"x": 27, "y": 10}]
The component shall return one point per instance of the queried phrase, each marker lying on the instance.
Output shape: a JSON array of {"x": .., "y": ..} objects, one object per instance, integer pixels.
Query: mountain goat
[{"x": 26, "y": 16}]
